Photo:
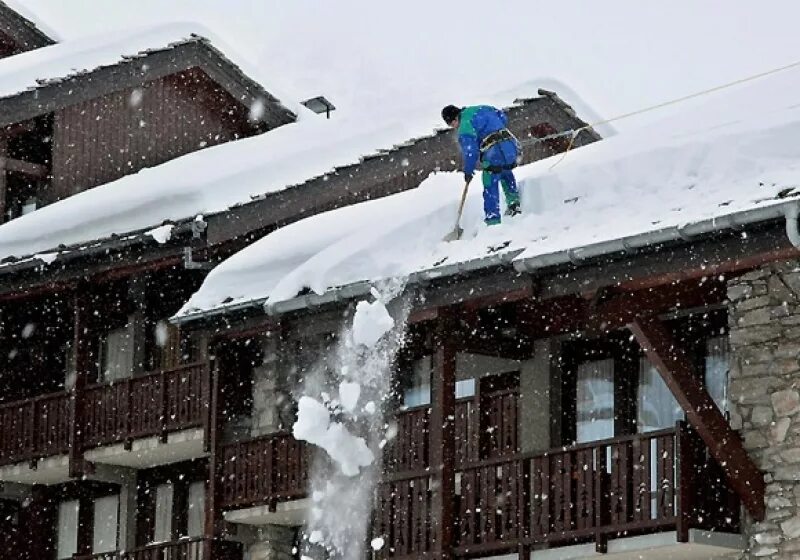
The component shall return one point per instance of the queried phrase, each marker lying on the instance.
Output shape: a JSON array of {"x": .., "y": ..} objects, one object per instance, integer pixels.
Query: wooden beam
[
  {"x": 35, "y": 170},
  {"x": 725, "y": 445},
  {"x": 213, "y": 522},
  {"x": 442, "y": 436},
  {"x": 3, "y": 182},
  {"x": 81, "y": 360}
]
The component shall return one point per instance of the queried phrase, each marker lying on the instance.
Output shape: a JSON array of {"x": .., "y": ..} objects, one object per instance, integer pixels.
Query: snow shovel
[{"x": 455, "y": 235}]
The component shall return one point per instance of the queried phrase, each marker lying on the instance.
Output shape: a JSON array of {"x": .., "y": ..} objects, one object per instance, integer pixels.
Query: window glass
[
  {"x": 106, "y": 523},
  {"x": 419, "y": 391},
  {"x": 67, "y": 529},
  {"x": 163, "y": 525},
  {"x": 717, "y": 369},
  {"x": 656, "y": 407},
  {"x": 195, "y": 516},
  {"x": 595, "y": 401},
  {"x": 116, "y": 354},
  {"x": 465, "y": 388}
]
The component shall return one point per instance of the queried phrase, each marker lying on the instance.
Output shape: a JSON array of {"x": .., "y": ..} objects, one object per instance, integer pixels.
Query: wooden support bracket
[{"x": 725, "y": 445}]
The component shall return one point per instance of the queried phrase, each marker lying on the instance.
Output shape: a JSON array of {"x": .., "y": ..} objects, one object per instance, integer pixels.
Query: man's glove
[{"x": 468, "y": 177}]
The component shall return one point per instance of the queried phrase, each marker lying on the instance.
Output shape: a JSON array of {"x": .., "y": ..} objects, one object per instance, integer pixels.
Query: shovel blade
[{"x": 454, "y": 235}]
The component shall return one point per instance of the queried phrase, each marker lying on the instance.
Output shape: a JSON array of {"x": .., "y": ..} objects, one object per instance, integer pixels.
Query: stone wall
[
  {"x": 764, "y": 388},
  {"x": 272, "y": 407},
  {"x": 273, "y": 542}
]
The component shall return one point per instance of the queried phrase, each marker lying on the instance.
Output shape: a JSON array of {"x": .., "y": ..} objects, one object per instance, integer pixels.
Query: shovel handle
[{"x": 461, "y": 204}]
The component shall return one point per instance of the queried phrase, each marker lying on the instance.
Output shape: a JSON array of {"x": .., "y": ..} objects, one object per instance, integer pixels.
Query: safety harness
[{"x": 492, "y": 140}]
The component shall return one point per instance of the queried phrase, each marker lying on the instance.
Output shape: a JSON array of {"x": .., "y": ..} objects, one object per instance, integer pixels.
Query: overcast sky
[{"x": 377, "y": 56}]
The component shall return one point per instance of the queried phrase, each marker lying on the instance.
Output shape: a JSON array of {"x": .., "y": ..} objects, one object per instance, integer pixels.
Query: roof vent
[{"x": 320, "y": 105}]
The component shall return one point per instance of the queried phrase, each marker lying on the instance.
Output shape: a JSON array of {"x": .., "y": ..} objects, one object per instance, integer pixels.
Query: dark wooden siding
[{"x": 103, "y": 139}]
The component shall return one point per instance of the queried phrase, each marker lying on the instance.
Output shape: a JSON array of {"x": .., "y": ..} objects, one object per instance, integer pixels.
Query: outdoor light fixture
[{"x": 320, "y": 105}]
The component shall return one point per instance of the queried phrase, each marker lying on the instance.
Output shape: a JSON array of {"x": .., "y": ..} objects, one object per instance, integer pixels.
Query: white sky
[{"x": 618, "y": 55}]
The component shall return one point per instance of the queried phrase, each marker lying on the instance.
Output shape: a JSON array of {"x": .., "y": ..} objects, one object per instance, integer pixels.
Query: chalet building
[
  {"x": 625, "y": 391},
  {"x": 118, "y": 428}
]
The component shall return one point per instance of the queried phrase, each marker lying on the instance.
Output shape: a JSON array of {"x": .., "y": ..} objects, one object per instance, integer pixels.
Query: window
[
  {"x": 717, "y": 368},
  {"x": 163, "y": 523},
  {"x": 465, "y": 388},
  {"x": 69, "y": 369},
  {"x": 116, "y": 354},
  {"x": 655, "y": 405},
  {"x": 418, "y": 393},
  {"x": 166, "y": 348},
  {"x": 106, "y": 523},
  {"x": 595, "y": 401},
  {"x": 196, "y": 509},
  {"x": 67, "y": 544}
]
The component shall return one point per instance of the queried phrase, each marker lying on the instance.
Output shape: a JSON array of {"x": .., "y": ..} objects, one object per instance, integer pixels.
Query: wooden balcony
[
  {"x": 626, "y": 486},
  {"x": 264, "y": 470},
  {"x": 184, "y": 549},
  {"x": 35, "y": 428},
  {"x": 155, "y": 404},
  {"x": 150, "y": 405}
]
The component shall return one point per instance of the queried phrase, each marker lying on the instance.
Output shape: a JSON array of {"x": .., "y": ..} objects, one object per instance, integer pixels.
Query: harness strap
[{"x": 495, "y": 138}]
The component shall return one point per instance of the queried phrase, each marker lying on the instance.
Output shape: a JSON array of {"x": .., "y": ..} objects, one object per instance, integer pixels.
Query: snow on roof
[
  {"x": 727, "y": 153},
  {"x": 55, "y": 63},
  {"x": 214, "y": 179}
]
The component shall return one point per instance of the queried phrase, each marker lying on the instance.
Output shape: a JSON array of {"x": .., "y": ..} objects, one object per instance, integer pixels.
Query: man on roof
[{"x": 485, "y": 140}]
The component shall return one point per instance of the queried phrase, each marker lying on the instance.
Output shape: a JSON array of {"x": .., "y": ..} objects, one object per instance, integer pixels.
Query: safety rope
[{"x": 573, "y": 133}]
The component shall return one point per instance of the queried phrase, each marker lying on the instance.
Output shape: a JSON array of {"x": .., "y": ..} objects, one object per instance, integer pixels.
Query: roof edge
[{"x": 578, "y": 255}]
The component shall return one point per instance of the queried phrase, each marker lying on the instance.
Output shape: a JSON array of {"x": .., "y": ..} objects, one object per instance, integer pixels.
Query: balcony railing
[
  {"x": 184, "y": 549},
  {"x": 148, "y": 405},
  {"x": 409, "y": 450},
  {"x": 622, "y": 486},
  {"x": 154, "y": 404},
  {"x": 264, "y": 470},
  {"x": 35, "y": 428}
]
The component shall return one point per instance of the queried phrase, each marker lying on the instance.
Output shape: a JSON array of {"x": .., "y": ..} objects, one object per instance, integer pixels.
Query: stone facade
[
  {"x": 271, "y": 396},
  {"x": 764, "y": 320},
  {"x": 273, "y": 542}
]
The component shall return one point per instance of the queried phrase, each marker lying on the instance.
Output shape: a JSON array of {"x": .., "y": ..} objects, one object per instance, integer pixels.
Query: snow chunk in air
[
  {"x": 314, "y": 426},
  {"x": 371, "y": 322}
]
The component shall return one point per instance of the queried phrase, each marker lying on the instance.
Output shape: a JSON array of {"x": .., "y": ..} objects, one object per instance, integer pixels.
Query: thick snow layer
[
  {"x": 33, "y": 69},
  {"x": 219, "y": 177},
  {"x": 733, "y": 151}
]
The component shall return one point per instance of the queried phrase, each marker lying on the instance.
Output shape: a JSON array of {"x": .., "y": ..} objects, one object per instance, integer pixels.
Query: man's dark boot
[{"x": 513, "y": 209}]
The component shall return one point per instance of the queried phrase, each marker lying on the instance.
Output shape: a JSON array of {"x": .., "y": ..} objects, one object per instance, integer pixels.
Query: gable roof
[
  {"x": 40, "y": 81},
  {"x": 25, "y": 33},
  {"x": 727, "y": 162}
]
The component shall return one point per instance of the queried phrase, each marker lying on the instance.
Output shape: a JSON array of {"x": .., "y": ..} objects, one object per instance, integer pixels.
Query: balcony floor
[
  {"x": 151, "y": 451},
  {"x": 702, "y": 545},
  {"x": 50, "y": 470},
  {"x": 291, "y": 514}
]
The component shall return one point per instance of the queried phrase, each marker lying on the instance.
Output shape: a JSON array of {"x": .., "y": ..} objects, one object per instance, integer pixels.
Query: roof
[
  {"x": 25, "y": 29},
  {"x": 218, "y": 178},
  {"x": 39, "y": 81},
  {"x": 718, "y": 163}
]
